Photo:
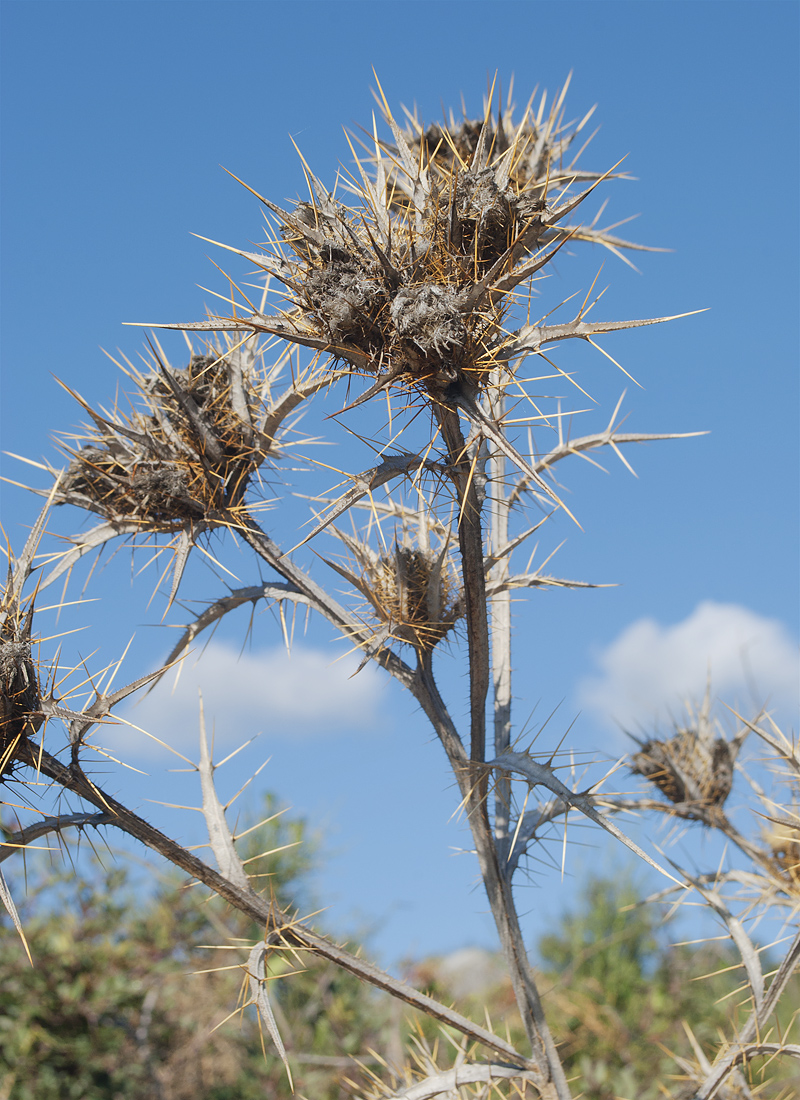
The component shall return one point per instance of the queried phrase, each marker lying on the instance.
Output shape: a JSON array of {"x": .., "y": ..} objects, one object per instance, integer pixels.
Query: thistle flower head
[
  {"x": 414, "y": 595},
  {"x": 186, "y": 457},
  {"x": 694, "y": 766},
  {"x": 20, "y": 695},
  {"x": 412, "y": 282},
  {"x": 534, "y": 150},
  {"x": 412, "y": 587}
]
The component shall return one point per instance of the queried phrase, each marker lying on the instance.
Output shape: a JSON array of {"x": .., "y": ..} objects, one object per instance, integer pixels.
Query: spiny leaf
[
  {"x": 219, "y": 835},
  {"x": 544, "y": 775},
  {"x": 257, "y": 972},
  {"x": 11, "y": 909},
  {"x": 366, "y": 482}
]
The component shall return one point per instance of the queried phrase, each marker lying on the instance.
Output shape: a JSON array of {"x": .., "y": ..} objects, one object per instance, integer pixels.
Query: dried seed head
[
  {"x": 429, "y": 316},
  {"x": 783, "y": 838},
  {"x": 20, "y": 697},
  {"x": 403, "y": 302},
  {"x": 534, "y": 150},
  {"x": 184, "y": 459},
  {"x": 412, "y": 282},
  {"x": 413, "y": 589},
  {"x": 414, "y": 596},
  {"x": 692, "y": 767},
  {"x": 346, "y": 298}
]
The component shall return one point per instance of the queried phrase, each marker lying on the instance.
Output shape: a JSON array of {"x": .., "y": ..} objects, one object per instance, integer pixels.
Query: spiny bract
[{"x": 415, "y": 281}]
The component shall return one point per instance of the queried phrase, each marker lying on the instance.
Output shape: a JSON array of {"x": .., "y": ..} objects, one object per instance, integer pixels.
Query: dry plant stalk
[{"x": 416, "y": 283}]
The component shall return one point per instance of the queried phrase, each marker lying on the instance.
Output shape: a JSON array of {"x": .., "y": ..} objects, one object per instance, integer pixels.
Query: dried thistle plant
[
  {"x": 414, "y": 283},
  {"x": 419, "y": 281}
]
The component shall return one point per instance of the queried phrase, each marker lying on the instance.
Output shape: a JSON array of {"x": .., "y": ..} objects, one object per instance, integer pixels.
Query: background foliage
[{"x": 124, "y": 1003}]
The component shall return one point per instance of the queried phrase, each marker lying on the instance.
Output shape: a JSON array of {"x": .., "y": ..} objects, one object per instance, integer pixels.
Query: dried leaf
[
  {"x": 257, "y": 971},
  {"x": 11, "y": 909},
  {"x": 219, "y": 835}
]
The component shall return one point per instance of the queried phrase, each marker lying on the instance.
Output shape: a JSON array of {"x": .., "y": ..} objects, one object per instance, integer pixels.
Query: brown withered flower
[
  {"x": 694, "y": 768},
  {"x": 187, "y": 456},
  {"x": 413, "y": 282},
  {"x": 182, "y": 461},
  {"x": 412, "y": 587},
  {"x": 538, "y": 148}
]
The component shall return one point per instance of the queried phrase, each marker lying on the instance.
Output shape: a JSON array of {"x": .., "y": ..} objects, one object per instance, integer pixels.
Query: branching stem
[
  {"x": 474, "y": 780},
  {"x": 470, "y": 541}
]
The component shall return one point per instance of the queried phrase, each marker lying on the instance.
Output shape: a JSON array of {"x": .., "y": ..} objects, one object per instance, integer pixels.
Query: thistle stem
[
  {"x": 470, "y": 540},
  {"x": 498, "y": 888},
  {"x": 473, "y": 780},
  {"x": 501, "y": 640}
]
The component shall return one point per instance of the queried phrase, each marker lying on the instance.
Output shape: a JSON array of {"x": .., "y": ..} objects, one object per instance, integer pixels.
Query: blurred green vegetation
[
  {"x": 619, "y": 999},
  {"x": 620, "y": 994},
  {"x": 127, "y": 998}
]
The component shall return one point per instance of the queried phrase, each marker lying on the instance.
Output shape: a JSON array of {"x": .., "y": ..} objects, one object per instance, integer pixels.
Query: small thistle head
[
  {"x": 413, "y": 589},
  {"x": 188, "y": 455},
  {"x": 693, "y": 767},
  {"x": 416, "y": 594},
  {"x": 20, "y": 694}
]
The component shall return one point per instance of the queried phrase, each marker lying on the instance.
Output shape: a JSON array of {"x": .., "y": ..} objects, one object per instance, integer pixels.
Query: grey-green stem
[{"x": 472, "y": 778}]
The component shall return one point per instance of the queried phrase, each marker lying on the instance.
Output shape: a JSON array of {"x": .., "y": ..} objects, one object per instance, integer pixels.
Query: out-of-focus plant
[
  {"x": 624, "y": 1001},
  {"x": 131, "y": 996},
  {"x": 423, "y": 283}
]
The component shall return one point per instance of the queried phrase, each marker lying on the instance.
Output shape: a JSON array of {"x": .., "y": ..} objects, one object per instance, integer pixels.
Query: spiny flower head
[
  {"x": 536, "y": 149},
  {"x": 412, "y": 283},
  {"x": 20, "y": 695},
  {"x": 414, "y": 280},
  {"x": 412, "y": 587},
  {"x": 694, "y": 766},
  {"x": 188, "y": 455},
  {"x": 415, "y": 596}
]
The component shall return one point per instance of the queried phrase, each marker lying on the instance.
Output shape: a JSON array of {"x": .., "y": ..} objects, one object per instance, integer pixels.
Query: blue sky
[{"x": 116, "y": 119}]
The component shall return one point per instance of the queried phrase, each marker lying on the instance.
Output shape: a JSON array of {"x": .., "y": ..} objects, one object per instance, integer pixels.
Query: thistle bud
[{"x": 413, "y": 590}]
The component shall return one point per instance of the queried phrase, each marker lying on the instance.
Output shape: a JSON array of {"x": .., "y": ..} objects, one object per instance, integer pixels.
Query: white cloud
[
  {"x": 650, "y": 669},
  {"x": 309, "y": 694}
]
